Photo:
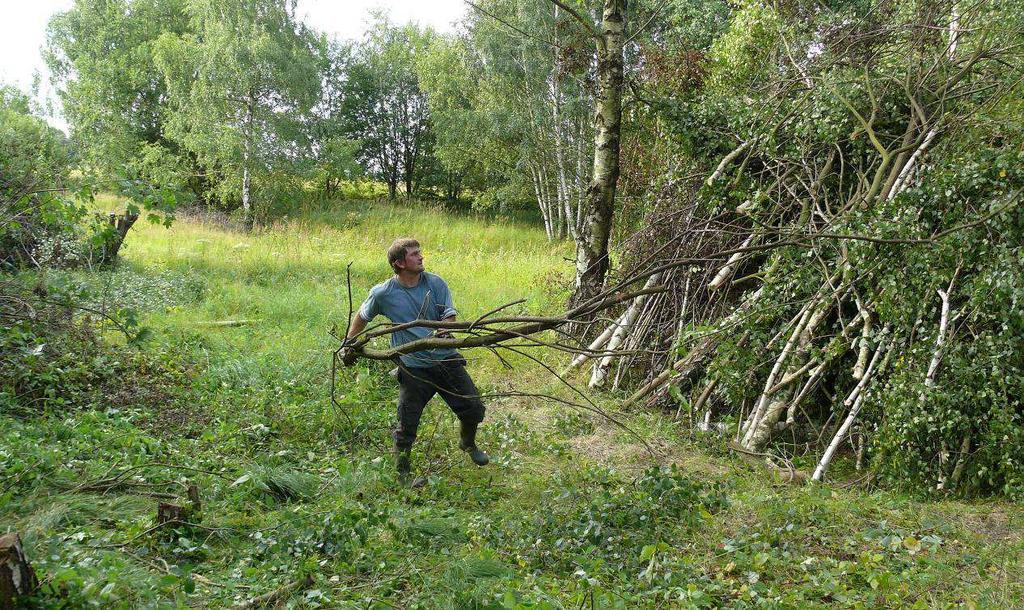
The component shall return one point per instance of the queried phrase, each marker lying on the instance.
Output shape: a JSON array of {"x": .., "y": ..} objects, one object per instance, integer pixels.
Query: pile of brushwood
[{"x": 842, "y": 243}]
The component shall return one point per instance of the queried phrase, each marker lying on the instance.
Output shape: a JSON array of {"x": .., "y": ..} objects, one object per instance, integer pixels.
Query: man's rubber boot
[
  {"x": 403, "y": 461},
  {"x": 467, "y": 443}
]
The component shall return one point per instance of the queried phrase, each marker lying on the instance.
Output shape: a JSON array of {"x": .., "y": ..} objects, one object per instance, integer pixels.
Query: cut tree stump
[
  {"x": 120, "y": 224},
  {"x": 194, "y": 500},
  {"x": 171, "y": 513},
  {"x": 17, "y": 578}
]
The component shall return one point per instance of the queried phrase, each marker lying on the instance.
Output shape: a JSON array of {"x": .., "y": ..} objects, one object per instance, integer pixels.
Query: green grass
[
  {"x": 568, "y": 515},
  {"x": 291, "y": 278}
]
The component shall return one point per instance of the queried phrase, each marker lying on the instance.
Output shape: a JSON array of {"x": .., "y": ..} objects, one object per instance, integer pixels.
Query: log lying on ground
[
  {"x": 17, "y": 578},
  {"x": 228, "y": 323}
]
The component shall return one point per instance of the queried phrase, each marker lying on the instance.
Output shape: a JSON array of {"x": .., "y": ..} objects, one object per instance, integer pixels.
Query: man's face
[{"x": 413, "y": 260}]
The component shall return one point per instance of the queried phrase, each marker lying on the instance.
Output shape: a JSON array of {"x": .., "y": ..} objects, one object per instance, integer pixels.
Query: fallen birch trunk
[
  {"x": 595, "y": 345},
  {"x": 853, "y": 402},
  {"x": 689, "y": 365}
]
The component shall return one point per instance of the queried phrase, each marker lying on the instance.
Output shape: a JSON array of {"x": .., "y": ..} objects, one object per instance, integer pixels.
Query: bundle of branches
[
  {"x": 681, "y": 249},
  {"x": 877, "y": 185},
  {"x": 494, "y": 332},
  {"x": 514, "y": 334}
]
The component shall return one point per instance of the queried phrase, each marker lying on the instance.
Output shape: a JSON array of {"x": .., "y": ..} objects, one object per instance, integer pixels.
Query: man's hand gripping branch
[{"x": 348, "y": 352}]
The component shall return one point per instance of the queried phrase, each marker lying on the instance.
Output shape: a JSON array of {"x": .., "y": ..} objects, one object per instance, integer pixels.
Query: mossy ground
[{"x": 570, "y": 513}]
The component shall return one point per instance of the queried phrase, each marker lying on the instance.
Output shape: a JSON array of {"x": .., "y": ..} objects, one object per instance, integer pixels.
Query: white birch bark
[
  {"x": 933, "y": 368},
  {"x": 544, "y": 211},
  {"x": 596, "y": 344},
  {"x": 726, "y": 160},
  {"x": 757, "y": 414},
  {"x": 853, "y": 402},
  {"x": 601, "y": 368},
  {"x": 903, "y": 181},
  {"x": 727, "y": 270},
  {"x": 247, "y": 214},
  {"x": 592, "y": 247}
]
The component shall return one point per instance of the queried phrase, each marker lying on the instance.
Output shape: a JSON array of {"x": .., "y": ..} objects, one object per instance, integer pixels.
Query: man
[{"x": 414, "y": 294}]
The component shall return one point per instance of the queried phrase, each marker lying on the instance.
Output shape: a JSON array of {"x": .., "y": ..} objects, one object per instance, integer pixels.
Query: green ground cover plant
[{"x": 300, "y": 494}]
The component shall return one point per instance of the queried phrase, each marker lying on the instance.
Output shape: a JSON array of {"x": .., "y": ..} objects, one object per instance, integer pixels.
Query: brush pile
[{"x": 845, "y": 275}]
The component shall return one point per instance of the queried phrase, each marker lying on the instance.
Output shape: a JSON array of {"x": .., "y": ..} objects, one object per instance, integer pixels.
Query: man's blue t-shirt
[{"x": 430, "y": 299}]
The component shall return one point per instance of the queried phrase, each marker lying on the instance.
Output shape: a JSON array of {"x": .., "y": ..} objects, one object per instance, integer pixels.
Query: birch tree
[
  {"x": 524, "y": 109},
  {"x": 596, "y": 222},
  {"x": 239, "y": 84}
]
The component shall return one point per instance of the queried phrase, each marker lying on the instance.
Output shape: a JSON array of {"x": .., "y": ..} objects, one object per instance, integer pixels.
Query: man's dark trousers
[{"x": 417, "y": 385}]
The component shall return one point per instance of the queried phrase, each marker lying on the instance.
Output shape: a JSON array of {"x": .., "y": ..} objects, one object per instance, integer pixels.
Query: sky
[{"x": 23, "y": 29}]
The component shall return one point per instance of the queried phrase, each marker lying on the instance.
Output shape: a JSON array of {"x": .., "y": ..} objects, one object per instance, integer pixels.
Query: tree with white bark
[{"x": 239, "y": 85}]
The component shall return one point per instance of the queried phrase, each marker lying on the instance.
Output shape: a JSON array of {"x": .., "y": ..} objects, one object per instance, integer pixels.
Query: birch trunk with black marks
[
  {"x": 545, "y": 211},
  {"x": 592, "y": 246},
  {"x": 853, "y": 402},
  {"x": 250, "y": 115},
  {"x": 562, "y": 190}
]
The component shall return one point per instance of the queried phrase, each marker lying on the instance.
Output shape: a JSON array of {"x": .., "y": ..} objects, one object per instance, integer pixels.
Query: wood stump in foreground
[
  {"x": 171, "y": 513},
  {"x": 17, "y": 577}
]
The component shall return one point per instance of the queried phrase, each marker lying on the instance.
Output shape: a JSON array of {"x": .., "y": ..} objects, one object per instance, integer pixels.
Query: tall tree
[
  {"x": 100, "y": 54},
  {"x": 239, "y": 85},
  {"x": 592, "y": 245},
  {"x": 446, "y": 75},
  {"x": 332, "y": 154},
  {"x": 384, "y": 107},
  {"x": 511, "y": 98}
]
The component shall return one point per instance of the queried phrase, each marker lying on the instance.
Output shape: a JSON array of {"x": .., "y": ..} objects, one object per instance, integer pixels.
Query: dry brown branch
[{"x": 527, "y": 325}]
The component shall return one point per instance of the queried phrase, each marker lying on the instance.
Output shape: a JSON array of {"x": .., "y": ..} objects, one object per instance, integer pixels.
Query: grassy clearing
[
  {"x": 569, "y": 515},
  {"x": 291, "y": 277}
]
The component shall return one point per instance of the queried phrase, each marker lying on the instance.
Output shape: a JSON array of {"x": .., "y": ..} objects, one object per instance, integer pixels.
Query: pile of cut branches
[{"x": 847, "y": 277}]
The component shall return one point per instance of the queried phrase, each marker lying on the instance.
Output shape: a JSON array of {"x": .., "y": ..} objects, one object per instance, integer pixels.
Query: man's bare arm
[
  {"x": 348, "y": 355},
  {"x": 358, "y": 326}
]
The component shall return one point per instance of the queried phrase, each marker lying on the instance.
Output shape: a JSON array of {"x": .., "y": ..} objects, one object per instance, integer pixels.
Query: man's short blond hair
[{"x": 398, "y": 249}]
